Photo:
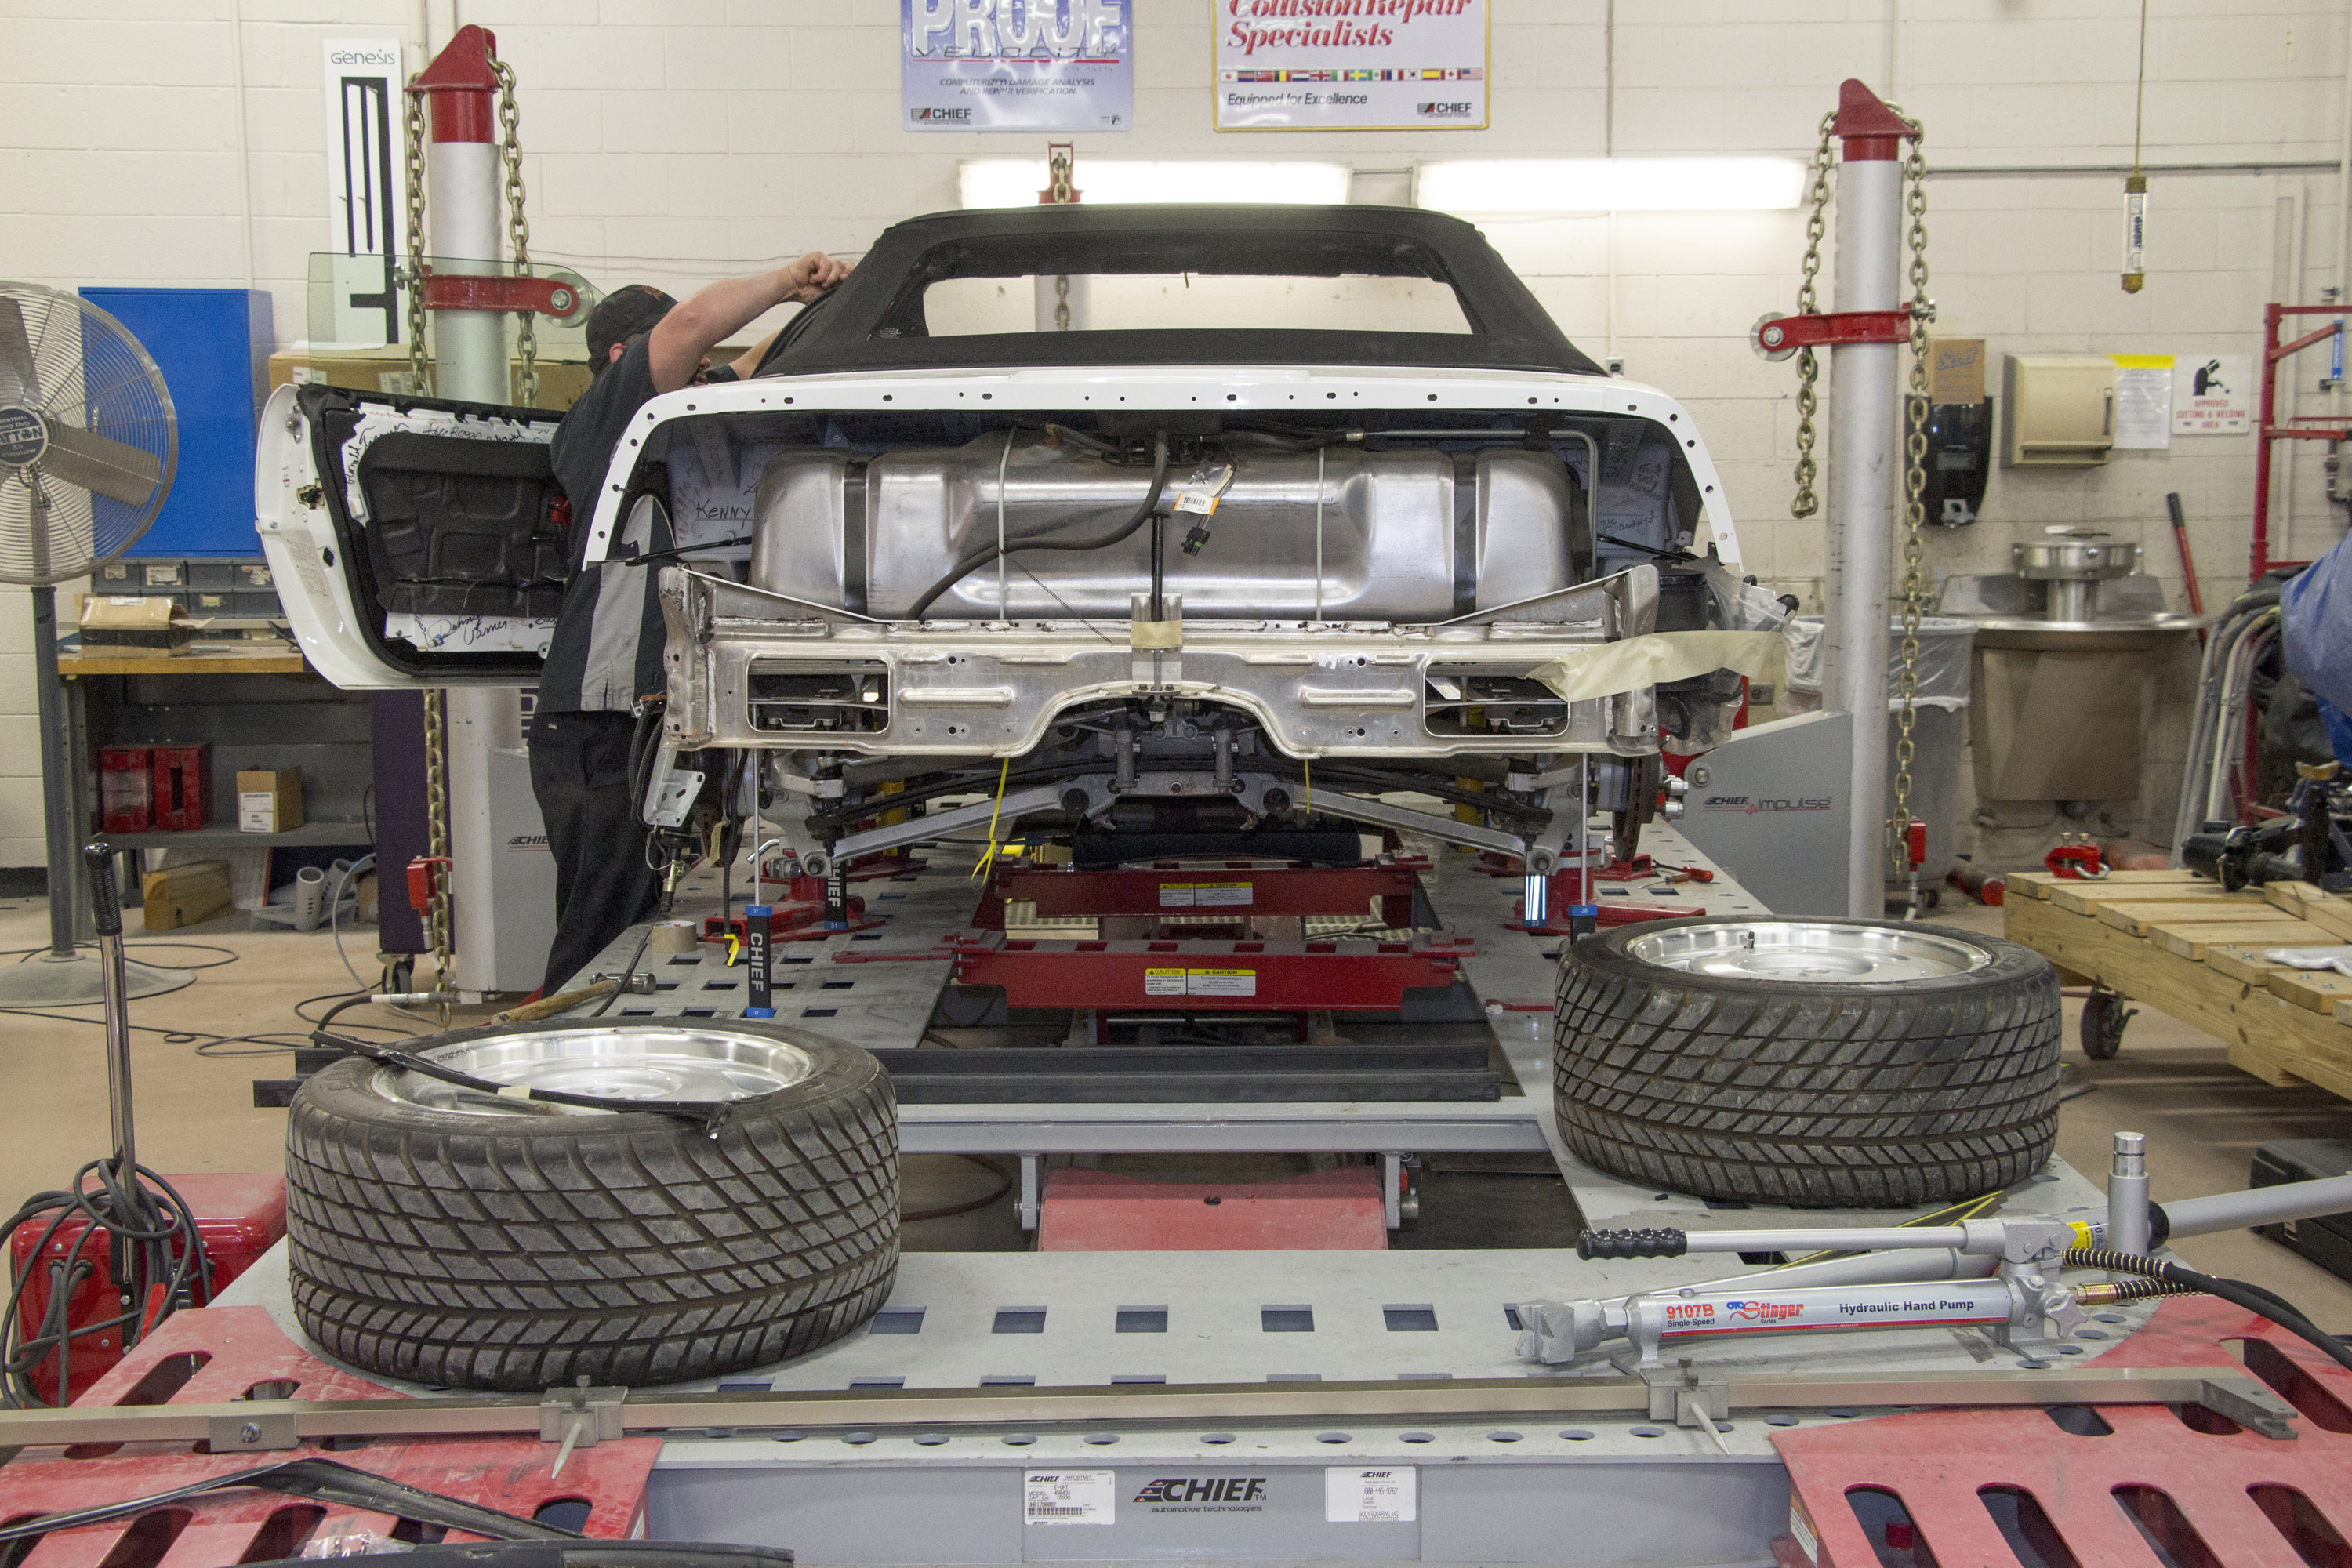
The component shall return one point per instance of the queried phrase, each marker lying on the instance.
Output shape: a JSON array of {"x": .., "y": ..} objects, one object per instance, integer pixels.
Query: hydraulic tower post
[
  {"x": 465, "y": 222},
  {"x": 463, "y": 219},
  {"x": 1866, "y": 418}
]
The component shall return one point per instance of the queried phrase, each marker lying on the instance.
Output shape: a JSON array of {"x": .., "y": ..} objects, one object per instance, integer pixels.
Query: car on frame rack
[{"x": 1148, "y": 526}]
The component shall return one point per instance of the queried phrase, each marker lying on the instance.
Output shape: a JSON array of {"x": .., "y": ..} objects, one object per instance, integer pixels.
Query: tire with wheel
[
  {"x": 448, "y": 1236},
  {"x": 1865, "y": 1064}
]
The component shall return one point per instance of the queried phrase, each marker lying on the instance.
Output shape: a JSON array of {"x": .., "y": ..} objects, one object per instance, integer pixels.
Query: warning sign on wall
[{"x": 2212, "y": 394}]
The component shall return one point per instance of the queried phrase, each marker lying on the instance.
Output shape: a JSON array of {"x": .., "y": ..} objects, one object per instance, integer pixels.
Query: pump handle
[
  {"x": 1660, "y": 1243},
  {"x": 105, "y": 892}
]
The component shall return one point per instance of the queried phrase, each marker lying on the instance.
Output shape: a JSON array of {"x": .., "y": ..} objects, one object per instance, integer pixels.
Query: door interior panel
[
  {"x": 458, "y": 528},
  {"x": 464, "y": 527}
]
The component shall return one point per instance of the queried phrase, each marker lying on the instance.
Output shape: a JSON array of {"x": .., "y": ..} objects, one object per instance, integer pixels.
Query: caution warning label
[{"x": 1200, "y": 982}]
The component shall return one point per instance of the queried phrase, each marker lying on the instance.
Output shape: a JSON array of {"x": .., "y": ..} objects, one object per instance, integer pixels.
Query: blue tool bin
[{"x": 213, "y": 346}]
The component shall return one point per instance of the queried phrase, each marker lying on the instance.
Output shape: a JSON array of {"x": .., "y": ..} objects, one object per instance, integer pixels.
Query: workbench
[
  {"x": 258, "y": 705},
  {"x": 2177, "y": 942}
]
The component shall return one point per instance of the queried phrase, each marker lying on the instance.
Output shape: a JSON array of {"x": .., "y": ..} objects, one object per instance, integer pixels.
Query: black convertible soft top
[{"x": 875, "y": 321}]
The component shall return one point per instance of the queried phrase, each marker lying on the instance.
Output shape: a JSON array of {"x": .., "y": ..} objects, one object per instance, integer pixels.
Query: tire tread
[
  {"x": 632, "y": 1250},
  {"x": 1807, "y": 1094}
]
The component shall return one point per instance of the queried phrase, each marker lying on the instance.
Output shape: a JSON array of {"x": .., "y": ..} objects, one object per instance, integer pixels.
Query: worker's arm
[
  {"x": 676, "y": 347},
  {"x": 745, "y": 364}
]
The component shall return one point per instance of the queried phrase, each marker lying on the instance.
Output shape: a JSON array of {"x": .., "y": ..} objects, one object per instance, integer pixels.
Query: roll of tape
[{"x": 675, "y": 936}]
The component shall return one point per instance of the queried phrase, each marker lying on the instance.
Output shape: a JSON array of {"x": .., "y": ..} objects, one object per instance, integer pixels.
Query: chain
[
  {"x": 517, "y": 226},
  {"x": 1060, "y": 158},
  {"x": 1915, "y": 505},
  {"x": 437, "y": 838},
  {"x": 436, "y": 768},
  {"x": 412, "y": 102},
  {"x": 1914, "y": 445},
  {"x": 1806, "y": 503}
]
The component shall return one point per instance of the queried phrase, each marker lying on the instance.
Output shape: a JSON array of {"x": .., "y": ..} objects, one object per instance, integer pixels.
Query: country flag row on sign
[{"x": 1432, "y": 73}]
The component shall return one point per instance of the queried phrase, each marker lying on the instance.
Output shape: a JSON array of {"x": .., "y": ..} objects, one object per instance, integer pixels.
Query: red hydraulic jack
[
  {"x": 1158, "y": 970},
  {"x": 1240, "y": 889},
  {"x": 1339, "y": 975},
  {"x": 1565, "y": 886},
  {"x": 239, "y": 1217},
  {"x": 798, "y": 916}
]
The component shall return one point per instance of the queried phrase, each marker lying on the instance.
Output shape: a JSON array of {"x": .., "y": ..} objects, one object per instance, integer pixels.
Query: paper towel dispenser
[{"x": 2057, "y": 410}]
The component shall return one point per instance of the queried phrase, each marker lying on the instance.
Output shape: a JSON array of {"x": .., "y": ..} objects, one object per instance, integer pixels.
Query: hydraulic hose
[
  {"x": 2236, "y": 1292},
  {"x": 1159, "y": 566},
  {"x": 1143, "y": 513},
  {"x": 2209, "y": 723}
]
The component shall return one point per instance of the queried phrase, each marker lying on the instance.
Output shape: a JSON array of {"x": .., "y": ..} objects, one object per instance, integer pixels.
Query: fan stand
[{"x": 63, "y": 977}]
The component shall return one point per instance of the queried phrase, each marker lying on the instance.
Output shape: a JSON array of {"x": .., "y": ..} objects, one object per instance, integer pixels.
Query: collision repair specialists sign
[
  {"x": 1351, "y": 65},
  {"x": 1017, "y": 65}
]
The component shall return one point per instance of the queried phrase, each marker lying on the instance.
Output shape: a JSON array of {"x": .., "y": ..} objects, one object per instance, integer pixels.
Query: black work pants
[{"x": 580, "y": 773}]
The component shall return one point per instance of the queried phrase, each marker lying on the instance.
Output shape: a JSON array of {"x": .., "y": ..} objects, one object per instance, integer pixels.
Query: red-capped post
[
  {"x": 462, "y": 210},
  {"x": 1865, "y": 423}
]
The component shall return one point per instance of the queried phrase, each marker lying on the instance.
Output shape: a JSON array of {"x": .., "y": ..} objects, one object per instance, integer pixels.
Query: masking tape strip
[{"x": 1654, "y": 660}]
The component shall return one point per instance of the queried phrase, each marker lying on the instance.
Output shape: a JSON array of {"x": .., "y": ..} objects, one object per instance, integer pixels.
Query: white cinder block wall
[{"x": 684, "y": 140}]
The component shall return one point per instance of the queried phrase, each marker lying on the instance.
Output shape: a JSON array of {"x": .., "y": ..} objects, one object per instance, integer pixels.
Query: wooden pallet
[{"x": 2181, "y": 944}]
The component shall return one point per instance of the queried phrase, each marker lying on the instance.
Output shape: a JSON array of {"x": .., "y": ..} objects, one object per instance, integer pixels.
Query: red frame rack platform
[
  {"x": 2210, "y": 1492},
  {"x": 214, "y": 1355}
]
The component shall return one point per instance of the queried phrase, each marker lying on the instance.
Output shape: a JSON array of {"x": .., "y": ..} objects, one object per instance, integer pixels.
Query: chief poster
[
  {"x": 1351, "y": 65},
  {"x": 1017, "y": 65}
]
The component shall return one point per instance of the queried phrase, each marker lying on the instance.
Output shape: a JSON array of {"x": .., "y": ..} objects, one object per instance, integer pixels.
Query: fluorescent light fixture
[
  {"x": 1102, "y": 181},
  {"x": 1608, "y": 184}
]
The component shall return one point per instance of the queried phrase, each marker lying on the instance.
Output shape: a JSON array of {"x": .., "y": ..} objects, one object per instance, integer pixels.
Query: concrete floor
[{"x": 2203, "y": 1118}]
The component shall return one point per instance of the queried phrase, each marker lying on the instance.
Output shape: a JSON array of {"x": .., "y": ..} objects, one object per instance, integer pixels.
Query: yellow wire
[
  {"x": 988, "y": 856},
  {"x": 1306, "y": 802},
  {"x": 1967, "y": 1208}
]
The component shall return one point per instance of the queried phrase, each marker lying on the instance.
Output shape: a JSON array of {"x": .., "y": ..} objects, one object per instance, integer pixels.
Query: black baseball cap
[{"x": 621, "y": 315}]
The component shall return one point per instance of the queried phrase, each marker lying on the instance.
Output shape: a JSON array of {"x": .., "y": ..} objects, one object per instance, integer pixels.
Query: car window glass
[{"x": 1145, "y": 301}]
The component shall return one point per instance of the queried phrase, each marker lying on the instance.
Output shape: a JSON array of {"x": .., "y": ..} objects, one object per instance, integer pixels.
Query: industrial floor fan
[{"x": 88, "y": 445}]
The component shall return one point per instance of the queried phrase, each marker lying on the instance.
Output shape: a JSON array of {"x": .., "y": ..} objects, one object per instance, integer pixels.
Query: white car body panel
[{"x": 1140, "y": 388}]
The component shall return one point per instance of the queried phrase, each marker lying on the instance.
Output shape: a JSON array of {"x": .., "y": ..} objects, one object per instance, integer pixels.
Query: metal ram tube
[
  {"x": 2127, "y": 1215},
  {"x": 1865, "y": 400},
  {"x": 2259, "y": 1206}
]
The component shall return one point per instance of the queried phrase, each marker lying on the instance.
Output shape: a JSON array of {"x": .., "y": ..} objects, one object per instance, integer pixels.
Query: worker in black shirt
[{"x": 606, "y": 654}]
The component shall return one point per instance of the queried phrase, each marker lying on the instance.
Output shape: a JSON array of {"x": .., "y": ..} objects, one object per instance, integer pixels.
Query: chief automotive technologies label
[
  {"x": 1351, "y": 65},
  {"x": 1017, "y": 65}
]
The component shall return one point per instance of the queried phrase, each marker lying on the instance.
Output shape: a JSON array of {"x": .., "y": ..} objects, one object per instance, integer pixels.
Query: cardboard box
[
  {"x": 183, "y": 895},
  {"x": 269, "y": 800},
  {"x": 120, "y": 621},
  {"x": 1956, "y": 369},
  {"x": 561, "y": 381}
]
